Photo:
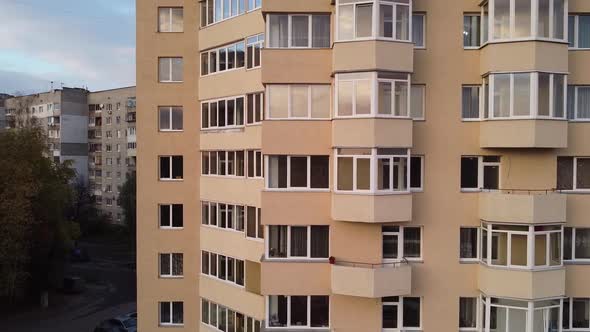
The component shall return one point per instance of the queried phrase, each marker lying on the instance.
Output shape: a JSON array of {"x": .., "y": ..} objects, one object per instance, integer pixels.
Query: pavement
[{"x": 110, "y": 291}]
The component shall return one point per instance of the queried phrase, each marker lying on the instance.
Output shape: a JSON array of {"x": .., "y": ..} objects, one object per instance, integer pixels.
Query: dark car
[{"x": 123, "y": 323}]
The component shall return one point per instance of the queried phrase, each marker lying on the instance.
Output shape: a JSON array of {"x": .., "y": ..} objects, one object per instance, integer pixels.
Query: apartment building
[
  {"x": 112, "y": 146},
  {"x": 63, "y": 114},
  {"x": 364, "y": 165}
]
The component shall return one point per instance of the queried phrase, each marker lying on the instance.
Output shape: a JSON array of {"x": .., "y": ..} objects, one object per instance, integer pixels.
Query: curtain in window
[
  {"x": 470, "y": 102},
  {"x": 571, "y": 102},
  {"x": 299, "y": 241},
  {"x": 300, "y": 31},
  {"x": 278, "y": 241},
  {"x": 320, "y": 30},
  {"x": 418, "y": 30},
  {"x": 583, "y": 103},
  {"x": 320, "y": 241},
  {"x": 467, "y": 312},
  {"x": 583, "y": 173},
  {"x": 364, "y": 14},
  {"x": 279, "y": 31},
  {"x": 412, "y": 242},
  {"x": 584, "y": 31},
  {"x": 582, "y": 243}
]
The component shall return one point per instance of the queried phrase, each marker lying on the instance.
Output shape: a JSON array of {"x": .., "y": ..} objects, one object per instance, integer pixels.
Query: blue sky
[{"x": 74, "y": 42}]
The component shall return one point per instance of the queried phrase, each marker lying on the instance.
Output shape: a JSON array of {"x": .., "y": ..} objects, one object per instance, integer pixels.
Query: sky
[{"x": 77, "y": 43}]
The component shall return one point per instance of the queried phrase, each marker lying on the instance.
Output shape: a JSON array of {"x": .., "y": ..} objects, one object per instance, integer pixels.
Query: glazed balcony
[
  {"x": 312, "y": 277},
  {"x": 288, "y": 65},
  {"x": 522, "y": 206},
  {"x": 372, "y": 208},
  {"x": 522, "y": 284},
  {"x": 296, "y": 208},
  {"x": 373, "y": 55},
  {"x": 371, "y": 280},
  {"x": 524, "y": 56},
  {"x": 372, "y": 132}
]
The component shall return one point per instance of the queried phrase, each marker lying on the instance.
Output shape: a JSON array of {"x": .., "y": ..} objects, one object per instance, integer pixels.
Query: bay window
[
  {"x": 521, "y": 246},
  {"x": 298, "y": 101},
  {"x": 298, "y": 311},
  {"x": 579, "y": 31},
  {"x": 222, "y": 113},
  {"x": 576, "y": 314},
  {"x": 401, "y": 313},
  {"x": 576, "y": 244},
  {"x": 298, "y": 31},
  {"x": 510, "y": 315},
  {"x": 524, "y": 19},
  {"x": 298, "y": 172},
  {"x": 383, "y": 19},
  {"x": 578, "y": 103},
  {"x": 298, "y": 242},
  {"x": 401, "y": 242},
  {"x": 573, "y": 173}
]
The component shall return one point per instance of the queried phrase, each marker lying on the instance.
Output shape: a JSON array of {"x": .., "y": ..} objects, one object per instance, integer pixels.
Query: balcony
[
  {"x": 373, "y": 55},
  {"x": 522, "y": 206},
  {"x": 299, "y": 6},
  {"x": 367, "y": 208},
  {"x": 296, "y": 208},
  {"x": 296, "y": 137},
  {"x": 313, "y": 66},
  {"x": 524, "y": 56},
  {"x": 131, "y": 117},
  {"x": 371, "y": 280},
  {"x": 522, "y": 284},
  {"x": 528, "y": 133},
  {"x": 372, "y": 132},
  {"x": 311, "y": 277}
]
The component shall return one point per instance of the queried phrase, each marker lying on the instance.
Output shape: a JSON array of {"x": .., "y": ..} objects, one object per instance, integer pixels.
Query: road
[{"x": 111, "y": 291}]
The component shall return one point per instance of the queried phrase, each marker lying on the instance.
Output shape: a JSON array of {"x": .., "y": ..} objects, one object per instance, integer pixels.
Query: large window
[
  {"x": 298, "y": 242},
  {"x": 171, "y": 265},
  {"x": 375, "y": 170},
  {"x": 401, "y": 313},
  {"x": 171, "y": 216},
  {"x": 573, "y": 173},
  {"x": 254, "y": 46},
  {"x": 298, "y": 311},
  {"x": 521, "y": 246},
  {"x": 171, "y": 168},
  {"x": 170, "y": 19},
  {"x": 578, "y": 102},
  {"x": 525, "y": 19},
  {"x": 170, "y": 70},
  {"x": 225, "y": 319},
  {"x": 576, "y": 244},
  {"x": 298, "y": 172},
  {"x": 511, "y": 315},
  {"x": 468, "y": 313},
  {"x": 171, "y": 313},
  {"x": 213, "y": 11},
  {"x": 579, "y": 31},
  {"x": 471, "y": 30},
  {"x": 419, "y": 30},
  {"x": 223, "y": 267},
  {"x": 298, "y": 31},
  {"x": 526, "y": 95},
  {"x": 228, "y": 57},
  {"x": 223, "y": 163},
  {"x": 401, "y": 242},
  {"x": 576, "y": 314},
  {"x": 222, "y": 113},
  {"x": 390, "y": 19},
  {"x": 298, "y": 101},
  {"x": 170, "y": 118},
  {"x": 481, "y": 172}
]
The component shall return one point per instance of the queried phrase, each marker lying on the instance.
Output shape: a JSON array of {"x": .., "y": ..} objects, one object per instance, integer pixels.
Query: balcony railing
[{"x": 522, "y": 205}]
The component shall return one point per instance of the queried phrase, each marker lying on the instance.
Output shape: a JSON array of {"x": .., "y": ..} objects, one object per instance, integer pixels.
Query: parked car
[{"x": 123, "y": 323}]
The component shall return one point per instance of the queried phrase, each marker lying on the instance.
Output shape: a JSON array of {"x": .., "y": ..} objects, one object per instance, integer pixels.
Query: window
[
  {"x": 254, "y": 164},
  {"x": 401, "y": 312},
  {"x": 298, "y": 311},
  {"x": 226, "y": 216},
  {"x": 254, "y": 46},
  {"x": 222, "y": 59},
  {"x": 519, "y": 19},
  {"x": 254, "y": 227},
  {"x": 470, "y": 102},
  {"x": 170, "y": 70},
  {"x": 298, "y": 101},
  {"x": 171, "y": 215},
  {"x": 222, "y": 113},
  {"x": 576, "y": 313},
  {"x": 401, "y": 242},
  {"x": 223, "y": 163},
  {"x": 417, "y": 95},
  {"x": 171, "y": 168},
  {"x": 170, "y": 118},
  {"x": 510, "y": 246},
  {"x": 171, "y": 265},
  {"x": 512, "y": 315},
  {"x": 579, "y": 31},
  {"x": 471, "y": 30},
  {"x": 481, "y": 172},
  {"x": 468, "y": 314},
  {"x": 170, "y": 20},
  {"x": 354, "y": 95},
  {"x": 171, "y": 313},
  {"x": 573, "y": 173},
  {"x": 469, "y": 244},
  {"x": 213, "y": 11},
  {"x": 255, "y": 108},
  {"x": 298, "y": 31},
  {"x": 417, "y": 173},
  {"x": 217, "y": 316},
  {"x": 419, "y": 30},
  {"x": 355, "y": 20},
  {"x": 578, "y": 102},
  {"x": 576, "y": 244},
  {"x": 300, "y": 242},
  {"x": 388, "y": 167},
  {"x": 223, "y": 267},
  {"x": 298, "y": 172}
]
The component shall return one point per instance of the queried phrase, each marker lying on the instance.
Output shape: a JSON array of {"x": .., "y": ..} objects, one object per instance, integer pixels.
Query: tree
[{"x": 128, "y": 199}]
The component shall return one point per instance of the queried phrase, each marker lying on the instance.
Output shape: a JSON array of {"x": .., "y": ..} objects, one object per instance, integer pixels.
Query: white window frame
[
  {"x": 574, "y": 259},
  {"x": 226, "y": 280},
  {"x": 375, "y": 23},
  {"x": 171, "y": 178},
  {"x": 576, "y": 118},
  {"x": 478, "y": 312},
  {"x": 485, "y": 304},
  {"x": 419, "y": 47},
  {"x": 480, "y": 173},
  {"x": 373, "y": 187},
  {"x": 289, "y": 257},
  {"x": 169, "y": 17},
  {"x": 170, "y": 303},
  {"x": 226, "y": 163},
  {"x": 480, "y": 91},
  {"x": 225, "y": 99},
  {"x": 171, "y": 227},
  {"x": 259, "y": 99},
  {"x": 217, "y": 213},
  {"x": 400, "y": 245},
  {"x": 239, "y": 12},
  {"x": 422, "y": 172},
  {"x": 289, "y": 188},
  {"x": 290, "y": 31},
  {"x": 480, "y": 27},
  {"x": 290, "y": 115},
  {"x": 227, "y": 48},
  {"x": 423, "y": 88},
  {"x": 477, "y": 258},
  {"x": 257, "y": 222},
  {"x": 258, "y": 157},
  {"x": 260, "y": 42},
  {"x": 570, "y": 304},
  {"x": 289, "y": 326},
  {"x": 246, "y": 328},
  {"x": 170, "y": 62},
  {"x": 170, "y": 274},
  {"x": 576, "y": 32},
  {"x": 575, "y": 178},
  {"x": 169, "y": 110},
  {"x": 400, "y": 315}
]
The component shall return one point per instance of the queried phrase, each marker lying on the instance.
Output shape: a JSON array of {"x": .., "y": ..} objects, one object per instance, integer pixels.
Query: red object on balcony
[{"x": 332, "y": 259}]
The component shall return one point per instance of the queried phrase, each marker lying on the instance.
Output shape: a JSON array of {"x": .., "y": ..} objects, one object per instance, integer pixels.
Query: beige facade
[{"x": 399, "y": 172}]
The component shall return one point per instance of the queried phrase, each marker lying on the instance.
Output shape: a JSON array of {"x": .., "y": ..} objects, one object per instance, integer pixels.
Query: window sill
[
  {"x": 469, "y": 261},
  {"x": 295, "y": 260},
  {"x": 576, "y": 192},
  {"x": 229, "y": 283},
  {"x": 170, "y": 131},
  {"x": 164, "y": 325},
  {"x": 257, "y": 239},
  {"x": 171, "y": 228},
  {"x": 579, "y": 121},
  {"x": 171, "y": 277},
  {"x": 234, "y": 129},
  {"x": 171, "y": 180},
  {"x": 578, "y": 49},
  {"x": 576, "y": 262}
]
